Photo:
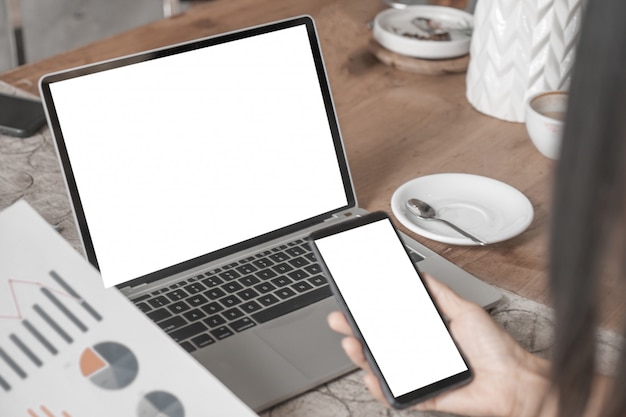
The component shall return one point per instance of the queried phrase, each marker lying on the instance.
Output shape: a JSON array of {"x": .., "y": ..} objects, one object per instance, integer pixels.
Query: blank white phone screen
[{"x": 395, "y": 315}]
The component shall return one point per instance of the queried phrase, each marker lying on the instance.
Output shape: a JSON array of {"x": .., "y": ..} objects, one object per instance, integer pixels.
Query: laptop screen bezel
[{"x": 45, "y": 88}]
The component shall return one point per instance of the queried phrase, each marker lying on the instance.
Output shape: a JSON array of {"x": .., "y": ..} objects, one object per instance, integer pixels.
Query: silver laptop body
[{"x": 186, "y": 162}]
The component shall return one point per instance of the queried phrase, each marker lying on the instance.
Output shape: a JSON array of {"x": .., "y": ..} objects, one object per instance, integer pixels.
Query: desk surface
[{"x": 396, "y": 125}]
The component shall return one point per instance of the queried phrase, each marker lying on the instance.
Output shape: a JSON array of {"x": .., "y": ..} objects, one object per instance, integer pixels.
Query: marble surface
[{"x": 29, "y": 169}]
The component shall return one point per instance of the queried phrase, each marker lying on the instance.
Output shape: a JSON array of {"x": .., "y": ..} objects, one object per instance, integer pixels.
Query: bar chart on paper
[
  {"x": 44, "y": 318},
  {"x": 39, "y": 322}
]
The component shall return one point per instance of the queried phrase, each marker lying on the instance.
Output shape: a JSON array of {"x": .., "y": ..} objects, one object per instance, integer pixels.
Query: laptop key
[
  {"x": 188, "y": 331},
  {"x": 298, "y": 274},
  {"x": 212, "y": 308},
  {"x": 189, "y": 347},
  {"x": 230, "y": 275},
  {"x": 203, "y": 340},
  {"x": 282, "y": 268},
  {"x": 232, "y": 287},
  {"x": 250, "y": 306},
  {"x": 263, "y": 263},
  {"x": 233, "y": 313},
  {"x": 178, "y": 307},
  {"x": 212, "y": 281},
  {"x": 249, "y": 281},
  {"x": 285, "y": 293},
  {"x": 160, "y": 314},
  {"x": 246, "y": 269},
  {"x": 266, "y": 274},
  {"x": 313, "y": 269},
  {"x": 267, "y": 299},
  {"x": 230, "y": 301},
  {"x": 214, "y": 293},
  {"x": 264, "y": 287},
  {"x": 279, "y": 257},
  {"x": 195, "y": 288},
  {"x": 173, "y": 323},
  {"x": 299, "y": 262},
  {"x": 317, "y": 280},
  {"x": 247, "y": 294},
  {"x": 176, "y": 295},
  {"x": 301, "y": 286},
  {"x": 193, "y": 315},
  {"x": 144, "y": 307},
  {"x": 281, "y": 281},
  {"x": 159, "y": 301},
  {"x": 295, "y": 251},
  {"x": 242, "y": 324},
  {"x": 214, "y": 321},
  {"x": 293, "y": 304},
  {"x": 197, "y": 300},
  {"x": 222, "y": 332}
]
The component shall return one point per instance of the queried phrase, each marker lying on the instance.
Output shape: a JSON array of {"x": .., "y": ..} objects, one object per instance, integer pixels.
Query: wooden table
[{"x": 396, "y": 125}]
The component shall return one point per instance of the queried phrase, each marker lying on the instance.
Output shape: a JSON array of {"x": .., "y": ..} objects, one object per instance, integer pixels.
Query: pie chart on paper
[
  {"x": 109, "y": 365},
  {"x": 160, "y": 404}
]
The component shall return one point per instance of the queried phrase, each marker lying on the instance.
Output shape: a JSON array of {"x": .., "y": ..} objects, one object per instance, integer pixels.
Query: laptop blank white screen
[{"x": 186, "y": 154}]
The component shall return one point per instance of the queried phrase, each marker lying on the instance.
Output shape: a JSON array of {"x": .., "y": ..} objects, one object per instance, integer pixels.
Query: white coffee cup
[{"x": 545, "y": 116}]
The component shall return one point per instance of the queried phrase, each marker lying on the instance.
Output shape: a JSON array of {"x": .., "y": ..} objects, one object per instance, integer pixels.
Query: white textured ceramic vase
[{"x": 518, "y": 48}]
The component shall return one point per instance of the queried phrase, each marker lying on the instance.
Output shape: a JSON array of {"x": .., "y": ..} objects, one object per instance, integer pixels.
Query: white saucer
[
  {"x": 489, "y": 209},
  {"x": 394, "y": 29}
]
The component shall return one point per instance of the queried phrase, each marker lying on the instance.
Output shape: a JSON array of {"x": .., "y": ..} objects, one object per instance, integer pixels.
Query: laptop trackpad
[{"x": 304, "y": 339}]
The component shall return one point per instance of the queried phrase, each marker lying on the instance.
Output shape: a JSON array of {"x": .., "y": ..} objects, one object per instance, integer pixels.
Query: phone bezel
[{"x": 417, "y": 395}]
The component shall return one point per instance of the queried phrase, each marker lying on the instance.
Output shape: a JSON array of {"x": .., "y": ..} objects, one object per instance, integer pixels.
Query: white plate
[
  {"x": 489, "y": 209},
  {"x": 394, "y": 30}
]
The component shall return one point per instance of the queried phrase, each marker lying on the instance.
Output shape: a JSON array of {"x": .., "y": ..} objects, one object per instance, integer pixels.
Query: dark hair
[{"x": 589, "y": 202}]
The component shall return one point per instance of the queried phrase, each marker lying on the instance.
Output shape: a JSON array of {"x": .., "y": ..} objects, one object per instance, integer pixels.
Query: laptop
[{"x": 196, "y": 173}]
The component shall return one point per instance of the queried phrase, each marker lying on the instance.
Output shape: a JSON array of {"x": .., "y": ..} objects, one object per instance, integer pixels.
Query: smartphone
[
  {"x": 405, "y": 338},
  {"x": 19, "y": 116}
]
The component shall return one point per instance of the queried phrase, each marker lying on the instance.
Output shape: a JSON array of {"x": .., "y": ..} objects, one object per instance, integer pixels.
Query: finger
[
  {"x": 449, "y": 302},
  {"x": 354, "y": 350},
  {"x": 352, "y": 347},
  {"x": 337, "y": 321},
  {"x": 373, "y": 385}
]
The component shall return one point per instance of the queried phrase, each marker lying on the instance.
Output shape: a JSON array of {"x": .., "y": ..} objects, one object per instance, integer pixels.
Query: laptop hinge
[
  {"x": 130, "y": 289},
  {"x": 342, "y": 216}
]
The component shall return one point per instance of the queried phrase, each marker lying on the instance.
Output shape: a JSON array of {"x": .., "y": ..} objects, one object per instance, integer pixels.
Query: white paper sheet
[{"x": 71, "y": 348}]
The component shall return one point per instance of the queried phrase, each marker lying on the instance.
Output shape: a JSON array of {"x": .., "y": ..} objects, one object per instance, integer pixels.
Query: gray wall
[
  {"x": 54, "y": 26},
  {"x": 6, "y": 52}
]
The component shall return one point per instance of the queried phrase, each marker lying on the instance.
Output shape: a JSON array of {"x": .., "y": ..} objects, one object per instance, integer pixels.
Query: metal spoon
[
  {"x": 424, "y": 211},
  {"x": 436, "y": 28},
  {"x": 430, "y": 26}
]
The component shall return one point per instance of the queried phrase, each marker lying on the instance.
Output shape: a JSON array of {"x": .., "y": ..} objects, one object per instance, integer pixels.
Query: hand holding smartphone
[{"x": 387, "y": 304}]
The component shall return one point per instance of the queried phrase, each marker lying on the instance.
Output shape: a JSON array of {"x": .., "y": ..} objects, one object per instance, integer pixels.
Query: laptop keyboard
[
  {"x": 224, "y": 301},
  {"x": 221, "y": 302}
]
